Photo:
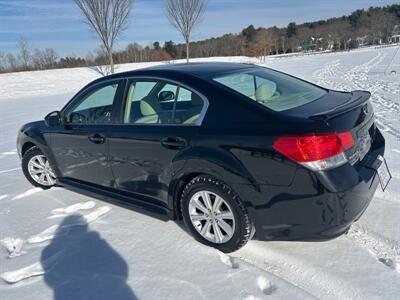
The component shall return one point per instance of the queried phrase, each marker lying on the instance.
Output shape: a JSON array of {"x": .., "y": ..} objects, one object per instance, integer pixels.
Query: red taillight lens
[
  {"x": 313, "y": 147},
  {"x": 346, "y": 139}
]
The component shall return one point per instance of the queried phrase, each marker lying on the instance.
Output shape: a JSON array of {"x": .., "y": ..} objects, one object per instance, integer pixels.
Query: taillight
[{"x": 316, "y": 151}]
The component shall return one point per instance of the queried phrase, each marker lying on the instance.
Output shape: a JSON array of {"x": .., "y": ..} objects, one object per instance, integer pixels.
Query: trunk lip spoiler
[{"x": 358, "y": 98}]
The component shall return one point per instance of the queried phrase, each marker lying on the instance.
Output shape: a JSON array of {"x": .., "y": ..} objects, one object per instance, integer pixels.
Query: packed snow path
[{"x": 59, "y": 244}]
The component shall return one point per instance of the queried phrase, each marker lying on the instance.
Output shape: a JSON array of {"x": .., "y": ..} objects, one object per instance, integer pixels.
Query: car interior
[
  {"x": 146, "y": 103},
  {"x": 272, "y": 89},
  {"x": 162, "y": 107}
]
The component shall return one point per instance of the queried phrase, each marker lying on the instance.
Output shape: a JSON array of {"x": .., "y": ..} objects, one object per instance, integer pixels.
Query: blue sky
[{"x": 57, "y": 23}]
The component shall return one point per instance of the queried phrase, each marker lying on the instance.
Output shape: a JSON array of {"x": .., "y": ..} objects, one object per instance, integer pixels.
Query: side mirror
[
  {"x": 53, "y": 118},
  {"x": 166, "y": 96}
]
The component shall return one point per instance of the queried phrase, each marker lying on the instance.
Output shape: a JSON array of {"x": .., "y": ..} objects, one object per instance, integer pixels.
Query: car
[{"x": 237, "y": 151}]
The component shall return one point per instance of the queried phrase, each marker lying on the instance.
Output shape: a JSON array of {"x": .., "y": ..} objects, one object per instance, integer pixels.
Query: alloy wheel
[
  {"x": 212, "y": 217},
  {"x": 40, "y": 171}
]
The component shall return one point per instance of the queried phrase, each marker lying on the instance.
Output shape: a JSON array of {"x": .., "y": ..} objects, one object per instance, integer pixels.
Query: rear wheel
[
  {"x": 215, "y": 215},
  {"x": 37, "y": 170}
]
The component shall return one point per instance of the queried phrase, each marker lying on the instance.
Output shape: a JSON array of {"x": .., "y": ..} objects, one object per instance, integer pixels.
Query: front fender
[{"x": 36, "y": 134}]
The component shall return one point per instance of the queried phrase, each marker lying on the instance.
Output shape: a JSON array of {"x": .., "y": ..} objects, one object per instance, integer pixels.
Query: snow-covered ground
[{"x": 63, "y": 245}]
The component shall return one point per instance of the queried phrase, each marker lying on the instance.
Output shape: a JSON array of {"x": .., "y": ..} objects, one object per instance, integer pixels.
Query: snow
[{"x": 60, "y": 244}]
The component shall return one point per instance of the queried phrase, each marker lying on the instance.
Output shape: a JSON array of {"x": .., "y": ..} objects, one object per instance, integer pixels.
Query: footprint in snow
[
  {"x": 8, "y": 153},
  {"x": 35, "y": 269},
  {"x": 229, "y": 261},
  {"x": 265, "y": 285},
  {"x": 250, "y": 297},
  {"x": 13, "y": 246},
  {"x": 62, "y": 212},
  {"x": 27, "y": 193}
]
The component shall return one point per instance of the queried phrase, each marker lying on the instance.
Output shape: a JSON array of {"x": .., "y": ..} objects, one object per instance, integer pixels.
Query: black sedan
[{"x": 235, "y": 150}]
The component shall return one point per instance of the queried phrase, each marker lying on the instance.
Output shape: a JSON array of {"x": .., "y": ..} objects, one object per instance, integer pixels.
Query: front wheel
[
  {"x": 215, "y": 215},
  {"x": 37, "y": 170}
]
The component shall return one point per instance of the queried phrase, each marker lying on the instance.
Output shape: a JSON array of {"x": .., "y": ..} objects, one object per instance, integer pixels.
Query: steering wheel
[
  {"x": 76, "y": 117},
  {"x": 101, "y": 115}
]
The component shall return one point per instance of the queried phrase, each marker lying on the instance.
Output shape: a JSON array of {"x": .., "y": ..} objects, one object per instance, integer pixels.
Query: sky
[{"x": 58, "y": 24}]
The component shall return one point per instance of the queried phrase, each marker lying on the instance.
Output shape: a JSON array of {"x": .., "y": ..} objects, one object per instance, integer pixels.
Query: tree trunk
[
  {"x": 111, "y": 60},
  {"x": 187, "y": 51}
]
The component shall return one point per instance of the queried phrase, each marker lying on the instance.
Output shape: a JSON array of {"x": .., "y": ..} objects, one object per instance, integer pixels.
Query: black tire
[
  {"x": 243, "y": 225},
  {"x": 25, "y": 160}
]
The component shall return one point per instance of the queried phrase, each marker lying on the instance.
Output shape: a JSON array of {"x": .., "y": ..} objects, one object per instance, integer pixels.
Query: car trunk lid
[{"x": 343, "y": 112}]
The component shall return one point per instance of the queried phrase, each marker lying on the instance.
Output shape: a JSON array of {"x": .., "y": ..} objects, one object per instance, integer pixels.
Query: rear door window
[{"x": 160, "y": 102}]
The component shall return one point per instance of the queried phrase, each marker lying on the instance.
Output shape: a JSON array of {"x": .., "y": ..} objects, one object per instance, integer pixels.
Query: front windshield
[{"x": 273, "y": 89}]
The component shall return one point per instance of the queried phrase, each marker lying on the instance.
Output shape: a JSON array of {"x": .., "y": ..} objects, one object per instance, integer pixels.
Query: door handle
[
  {"x": 97, "y": 138},
  {"x": 172, "y": 142}
]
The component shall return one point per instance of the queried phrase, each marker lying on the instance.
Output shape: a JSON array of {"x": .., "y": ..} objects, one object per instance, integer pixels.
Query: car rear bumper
[{"x": 316, "y": 206}]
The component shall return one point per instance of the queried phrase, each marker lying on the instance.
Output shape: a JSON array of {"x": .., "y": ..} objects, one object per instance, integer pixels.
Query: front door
[
  {"x": 80, "y": 145},
  {"x": 156, "y": 125}
]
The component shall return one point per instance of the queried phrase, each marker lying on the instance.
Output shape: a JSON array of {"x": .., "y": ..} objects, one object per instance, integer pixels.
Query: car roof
[{"x": 200, "y": 69}]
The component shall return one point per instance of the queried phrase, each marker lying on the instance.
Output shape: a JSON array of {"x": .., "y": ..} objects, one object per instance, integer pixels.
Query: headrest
[
  {"x": 146, "y": 109},
  {"x": 265, "y": 91}
]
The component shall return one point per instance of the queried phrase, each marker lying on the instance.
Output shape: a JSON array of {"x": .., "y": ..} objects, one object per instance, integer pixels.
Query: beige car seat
[
  {"x": 265, "y": 91},
  {"x": 192, "y": 114}
]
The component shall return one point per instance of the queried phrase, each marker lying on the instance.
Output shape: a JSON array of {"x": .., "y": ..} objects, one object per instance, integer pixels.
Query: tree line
[{"x": 362, "y": 27}]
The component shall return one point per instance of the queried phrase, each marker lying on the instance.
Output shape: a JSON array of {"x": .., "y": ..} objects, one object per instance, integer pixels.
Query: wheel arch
[
  {"x": 176, "y": 189},
  {"x": 26, "y": 146},
  {"x": 216, "y": 162}
]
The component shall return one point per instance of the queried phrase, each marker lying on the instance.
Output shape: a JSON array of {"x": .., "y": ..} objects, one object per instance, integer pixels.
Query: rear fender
[{"x": 218, "y": 163}]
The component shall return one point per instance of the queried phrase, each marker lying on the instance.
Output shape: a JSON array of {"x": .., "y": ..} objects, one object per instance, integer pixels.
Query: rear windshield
[{"x": 273, "y": 89}]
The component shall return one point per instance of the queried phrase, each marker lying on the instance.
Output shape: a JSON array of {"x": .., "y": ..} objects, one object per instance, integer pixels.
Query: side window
[
  {"x": 183, "y": 95},
  {"x": 93, "y": 108},
  {"x": 143, "y": 104},
  {"x": 161, "y": 103},
  {"x": 168, "y": 88}
]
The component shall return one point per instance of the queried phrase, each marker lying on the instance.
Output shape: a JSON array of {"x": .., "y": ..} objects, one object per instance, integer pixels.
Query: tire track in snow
[
  {"x": 357, "y": 78},
  {"x": 315, "y": 282},
  {"x": 385, "y": 250}
]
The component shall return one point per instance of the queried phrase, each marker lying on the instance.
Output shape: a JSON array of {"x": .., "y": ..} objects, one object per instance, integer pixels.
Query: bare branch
[
  {"x": 184, "y": 15},
  {"x": 107, "y": 18}
]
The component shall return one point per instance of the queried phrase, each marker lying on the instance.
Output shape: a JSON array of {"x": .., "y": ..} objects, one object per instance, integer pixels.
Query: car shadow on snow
[{"x": 82, "y": 265}]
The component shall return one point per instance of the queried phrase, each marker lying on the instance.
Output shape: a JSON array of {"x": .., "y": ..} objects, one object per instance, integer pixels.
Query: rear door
[
  {"x": 80, "y": 146},
  {"x": 152, "y": 132}
]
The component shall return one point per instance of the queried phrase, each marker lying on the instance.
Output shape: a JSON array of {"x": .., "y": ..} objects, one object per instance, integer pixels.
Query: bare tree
[
  {"x": 12, "y": 62},
  {"x": 24, "y": 53},
  {"x": 44, "y": 59},
  {"x": 3, "y": 63},
  {"x": 107, "y": 18},
  {"x": 184, "y": 15}
]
